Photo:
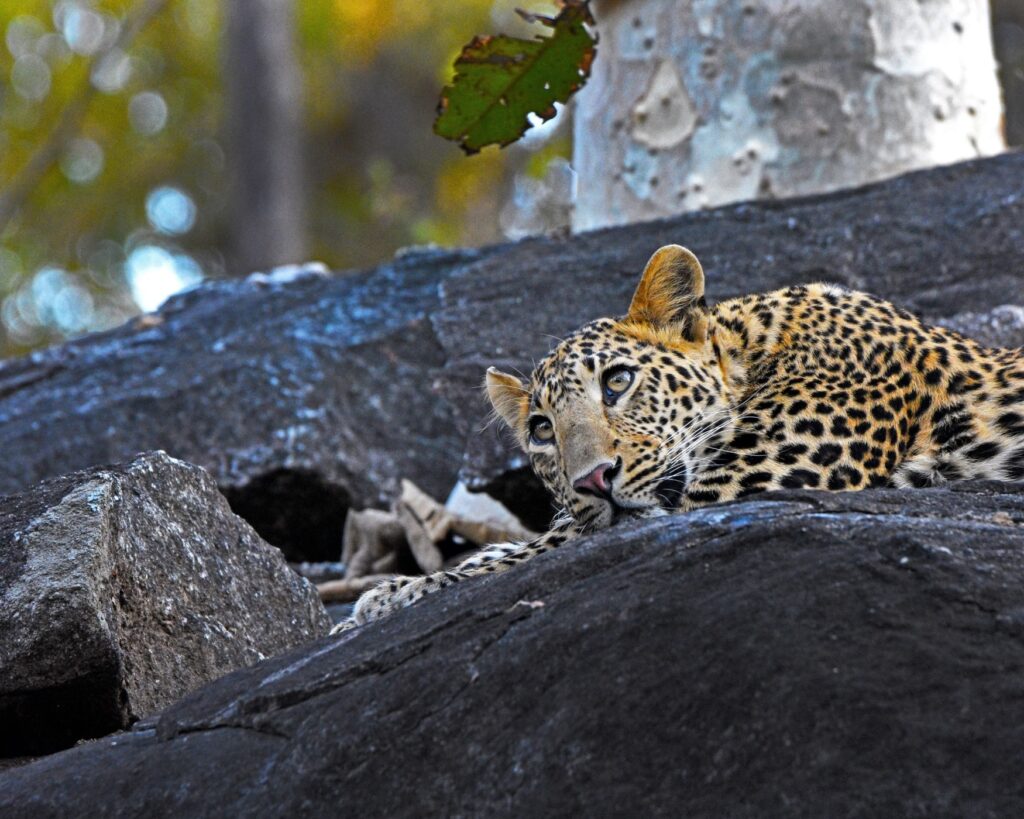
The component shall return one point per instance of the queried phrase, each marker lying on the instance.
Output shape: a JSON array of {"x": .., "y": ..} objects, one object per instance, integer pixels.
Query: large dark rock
[
  {"x": 303, "y": 398},
  {"x": 124, "y": 588},
  {"x": 798, "y": 654}
]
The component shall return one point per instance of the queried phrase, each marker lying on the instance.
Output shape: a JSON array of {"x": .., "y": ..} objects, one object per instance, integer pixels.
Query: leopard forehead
[
  {"x": 582, "y": 355},
  {"x": 583, "y": 351}
]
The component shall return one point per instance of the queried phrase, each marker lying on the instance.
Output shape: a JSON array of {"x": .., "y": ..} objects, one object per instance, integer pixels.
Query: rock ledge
[{"x": 795, "y": 654}]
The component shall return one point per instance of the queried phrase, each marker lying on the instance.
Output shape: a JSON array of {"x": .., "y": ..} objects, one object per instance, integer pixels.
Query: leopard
[{"x": 676, "y": 405}]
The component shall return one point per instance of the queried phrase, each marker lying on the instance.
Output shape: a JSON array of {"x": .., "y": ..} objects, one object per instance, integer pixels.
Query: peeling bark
[{"x": 703, "y": 103}]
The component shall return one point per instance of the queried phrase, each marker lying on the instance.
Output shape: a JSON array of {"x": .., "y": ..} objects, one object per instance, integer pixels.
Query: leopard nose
[{"x": 599, "y": 481}]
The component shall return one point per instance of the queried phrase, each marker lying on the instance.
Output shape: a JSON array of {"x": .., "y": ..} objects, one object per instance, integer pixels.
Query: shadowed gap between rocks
[
  {"x": 304, "y": 515},
  {"x": 296, "y": 510},
  {"x": 51, "y": 719}
]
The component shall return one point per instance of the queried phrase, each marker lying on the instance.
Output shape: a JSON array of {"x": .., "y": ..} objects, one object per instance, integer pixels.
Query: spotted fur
[{"x": 812, "y": 386}]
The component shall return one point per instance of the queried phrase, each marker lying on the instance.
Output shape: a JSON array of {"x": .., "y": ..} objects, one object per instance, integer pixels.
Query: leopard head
[{"x": 622, "y": 414}]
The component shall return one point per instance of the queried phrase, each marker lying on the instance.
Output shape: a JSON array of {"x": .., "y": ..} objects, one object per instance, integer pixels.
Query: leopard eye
[
  {"x": 541, "y": 431},
  {"x": 615, "y": 382}
]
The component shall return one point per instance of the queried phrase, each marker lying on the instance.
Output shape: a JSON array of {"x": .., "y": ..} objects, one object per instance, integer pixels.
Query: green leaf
[{"x": 500, "y": 80}]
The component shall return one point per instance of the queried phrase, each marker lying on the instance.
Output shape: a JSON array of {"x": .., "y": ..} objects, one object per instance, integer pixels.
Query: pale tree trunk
[
  {"x": 263, "y": 89},
  {"x": 703, "y": 102}
]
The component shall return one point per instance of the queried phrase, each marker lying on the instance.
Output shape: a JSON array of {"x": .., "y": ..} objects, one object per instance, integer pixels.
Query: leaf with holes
[{"x": 499, "y": 81}]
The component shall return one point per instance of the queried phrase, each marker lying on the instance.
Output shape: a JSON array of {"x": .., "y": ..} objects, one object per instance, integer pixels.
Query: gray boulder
[
  {"x": 124, "y": 588},
  {"x": 797, "y": 654},
  {"x": 305, "y": 395}
]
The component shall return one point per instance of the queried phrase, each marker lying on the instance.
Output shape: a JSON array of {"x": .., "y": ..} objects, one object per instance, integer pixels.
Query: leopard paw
[
  {"x": 343, "y": 626},
  {"x": 385, "y": 599}
]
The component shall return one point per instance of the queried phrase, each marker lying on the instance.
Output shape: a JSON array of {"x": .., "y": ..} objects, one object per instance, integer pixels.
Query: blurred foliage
[
  {"x": 152, "y": 123},
  {"x": 135, "y": 206},
  {"x": 500, "y": 81}
]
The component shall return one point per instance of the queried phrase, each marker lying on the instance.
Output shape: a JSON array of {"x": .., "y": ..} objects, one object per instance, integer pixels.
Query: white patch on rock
[
  {"x": 288, "y": 273},
  {"x": 1002, "y": 326},
  {"x": 707, "y": 14},
  {"x": 959, "y": 91}
]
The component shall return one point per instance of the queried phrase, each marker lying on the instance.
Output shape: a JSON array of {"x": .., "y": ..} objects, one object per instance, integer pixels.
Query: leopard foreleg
[{"x": 391, "y": 595}]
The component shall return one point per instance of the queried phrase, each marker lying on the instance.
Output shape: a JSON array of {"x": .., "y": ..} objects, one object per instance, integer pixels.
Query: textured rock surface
[
  {"x": 798, "y": 654},
  {"x": 303, "y": 397},
  {"x": 122, "y": 589},
  {"x": 1001, "y": 326}
]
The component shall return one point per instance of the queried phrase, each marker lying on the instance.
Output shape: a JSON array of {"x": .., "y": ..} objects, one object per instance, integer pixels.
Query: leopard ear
[
  {"x": 671, "y": 294},
  {"x": 509, "y": 397}
]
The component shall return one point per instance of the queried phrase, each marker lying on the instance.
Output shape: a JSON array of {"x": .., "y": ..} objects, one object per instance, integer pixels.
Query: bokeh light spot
[
  {"x": 10, "y": 268},
  {"x": 57, "y": 300},
  {"x": 83, "y": 161},
  {"x": 147, "y": 113},
  {"x": 30, "y": 77},
  {"x": 83, "y": 29},
  {"x": 154, "y": 275},
  {"x": 170, "y": 211},
  {"x": 21, "y": 34},
  {"x": 113, "y": 72},
  {"x": 72, "y": 309}
]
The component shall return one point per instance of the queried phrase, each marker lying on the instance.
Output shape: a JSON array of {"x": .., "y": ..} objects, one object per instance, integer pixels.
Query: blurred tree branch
[{"x": 28, "y": 178}]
